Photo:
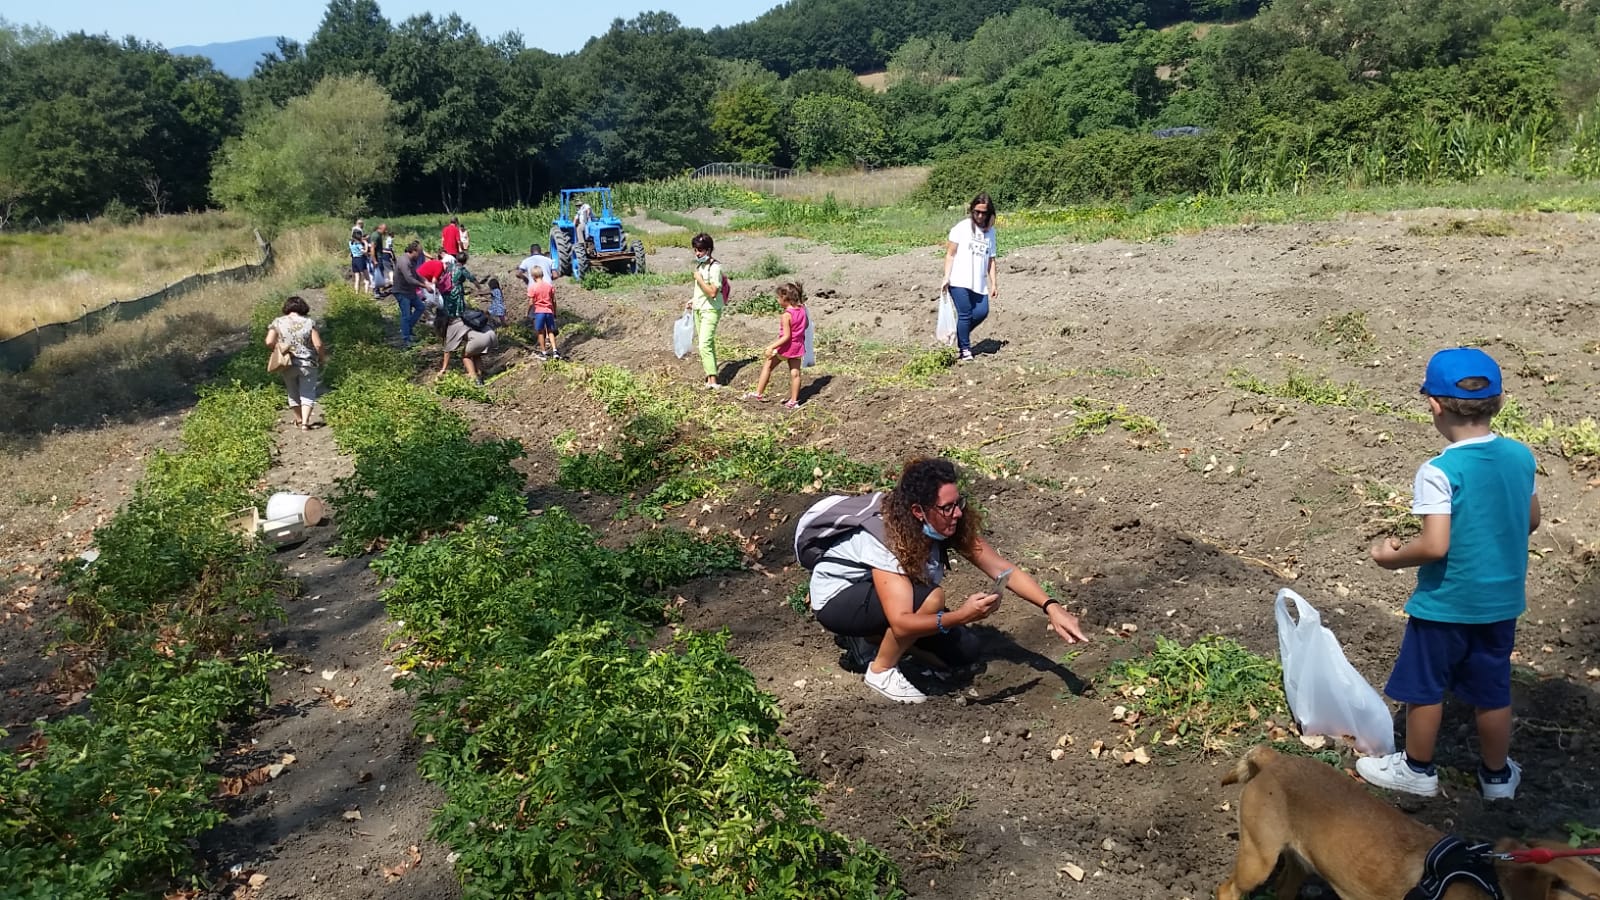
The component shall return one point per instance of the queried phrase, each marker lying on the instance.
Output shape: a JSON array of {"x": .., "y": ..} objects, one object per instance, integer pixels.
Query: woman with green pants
[{"x": 707, "y": 304}]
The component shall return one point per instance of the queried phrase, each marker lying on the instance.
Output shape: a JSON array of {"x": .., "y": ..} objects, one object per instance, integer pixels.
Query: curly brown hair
[{"x": 919, "y": 485}]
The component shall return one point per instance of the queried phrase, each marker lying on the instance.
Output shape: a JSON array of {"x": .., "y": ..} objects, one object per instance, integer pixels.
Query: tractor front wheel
[{"x": 638, "y": 257}]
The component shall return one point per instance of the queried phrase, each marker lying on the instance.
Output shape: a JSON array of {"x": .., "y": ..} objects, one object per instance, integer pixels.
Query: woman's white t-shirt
[
  {"x": 828, "y": 579},
  {"x": 974, "y": 249}
]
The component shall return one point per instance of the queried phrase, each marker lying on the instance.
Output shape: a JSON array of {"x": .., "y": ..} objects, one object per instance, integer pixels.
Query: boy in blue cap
[{"x": 1478, "y": 506}]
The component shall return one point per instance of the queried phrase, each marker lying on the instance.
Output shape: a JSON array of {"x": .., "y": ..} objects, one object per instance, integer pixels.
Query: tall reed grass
[{"x": 57, "y": 276}]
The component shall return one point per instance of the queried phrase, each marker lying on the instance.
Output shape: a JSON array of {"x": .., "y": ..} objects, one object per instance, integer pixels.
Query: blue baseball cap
[{"x": 1448, "y": 367}]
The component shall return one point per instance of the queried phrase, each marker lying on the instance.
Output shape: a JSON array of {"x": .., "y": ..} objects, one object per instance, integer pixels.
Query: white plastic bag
[
  {"x": 809, "y": 357},
  {"x": 1326, "y": 694},
  {"x": 683, "y": 335},
  {"x": 944, "y": 331}
]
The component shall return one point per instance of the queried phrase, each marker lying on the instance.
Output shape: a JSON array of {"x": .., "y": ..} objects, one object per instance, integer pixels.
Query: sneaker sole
[{"x": 922, "y": 699}]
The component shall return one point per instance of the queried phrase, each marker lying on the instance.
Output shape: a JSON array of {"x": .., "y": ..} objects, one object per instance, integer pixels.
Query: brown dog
[{"x": 1321, "y": 820}]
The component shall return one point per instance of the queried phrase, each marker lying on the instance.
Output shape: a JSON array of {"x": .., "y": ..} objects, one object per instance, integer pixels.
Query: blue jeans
[
  {"x": 411, "y": 308},
  {"x": 971, "y": 310}
]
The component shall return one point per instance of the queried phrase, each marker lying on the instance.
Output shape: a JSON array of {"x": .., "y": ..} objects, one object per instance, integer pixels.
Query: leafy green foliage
[
  {"x": 747, "y": 120},
  {"x": 1322, "y": 391},
  {"x": 669, "y": 557},
  {"x": 101, "y": 805},
  {"x": 1091, "y": 416},
  {"x": 459, "y": 386},
  {"x": 351, "y": 317},
  {"x": 656, "y": 445},
  {"x": 1110, "y": 164},
  {"x": 319, "y": 154},
  {"x": 615, "y": 770},
  {"x": 167, "y": 558},
  {"x": 928, "y": 363},
  {"x": 417, "y": 468},
  {"x": 89, "y": 121},
  {"x": 762, "y": 304},
  {"x": 770, "y": 265},
  {"x": 108, "y": 804},
  {"x": 1212, "y": 694},
  {"x": 831, "y": 130}
]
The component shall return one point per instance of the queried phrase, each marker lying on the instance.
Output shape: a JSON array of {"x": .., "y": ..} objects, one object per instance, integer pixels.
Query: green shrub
[
  {"x": 351, "y": 317},
  {"x": 318, "y": 273},
  {"x": 103, "y": 806},
  {"x": 670, "y": 556},
  {"x": 928, "y": 363},
  {"x": 459, "y": 386},
  {"x": 109, "y": 804},
  {"x": 1110, "y": 165},
  {"x": 653, "y": 770},
  {"x": 769, "y": 266},
  {"x": 762, "y": 304},
  {"x": 417, "y": 468}
]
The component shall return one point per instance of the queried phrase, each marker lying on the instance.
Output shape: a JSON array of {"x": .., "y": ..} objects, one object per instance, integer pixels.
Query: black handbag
[{"x": 475, "y": 319}]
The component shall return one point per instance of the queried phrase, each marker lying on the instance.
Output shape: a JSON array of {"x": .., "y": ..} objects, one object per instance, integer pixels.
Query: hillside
[
  {"x": 236, "y": 59},
  {"x": 860, "y": 35}
]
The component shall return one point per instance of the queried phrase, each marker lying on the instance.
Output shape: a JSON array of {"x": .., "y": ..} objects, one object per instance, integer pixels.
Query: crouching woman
[{"x": 878, "y": 564}]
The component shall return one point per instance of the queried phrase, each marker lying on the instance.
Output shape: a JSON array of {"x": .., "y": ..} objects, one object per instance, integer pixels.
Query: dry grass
[
  {"x": 877, "y": 82},
  {"x": 130, "y": 370},
  {"x": 884, "y": 187},
  {"x": 58, "y": 276}
]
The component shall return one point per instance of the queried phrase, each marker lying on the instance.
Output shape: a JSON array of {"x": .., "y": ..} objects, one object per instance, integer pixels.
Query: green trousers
[{"x": 705, "y": 325}]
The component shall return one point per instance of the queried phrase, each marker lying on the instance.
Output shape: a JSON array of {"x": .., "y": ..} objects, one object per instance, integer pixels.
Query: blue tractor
[{"x": 581, "y": 238}]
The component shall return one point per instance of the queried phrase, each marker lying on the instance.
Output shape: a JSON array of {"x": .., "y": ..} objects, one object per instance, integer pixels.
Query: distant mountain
[{"x": 236, "y": 58}]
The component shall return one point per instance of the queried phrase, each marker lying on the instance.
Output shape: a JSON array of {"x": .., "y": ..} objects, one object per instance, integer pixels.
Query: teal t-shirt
[{"x": 1485, "y": 486}]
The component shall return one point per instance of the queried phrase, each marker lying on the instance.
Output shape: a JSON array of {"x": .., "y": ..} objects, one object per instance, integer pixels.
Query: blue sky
[{"x": 557, "y": 26}]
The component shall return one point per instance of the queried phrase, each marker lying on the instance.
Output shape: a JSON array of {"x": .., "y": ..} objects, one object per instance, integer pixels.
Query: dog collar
[{"x": 1453, "y": 859}]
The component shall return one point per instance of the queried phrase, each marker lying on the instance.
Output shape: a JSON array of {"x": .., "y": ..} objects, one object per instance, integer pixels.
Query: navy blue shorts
[
  {"x": 1471, "y": 661},
  {"x": 545, "y": 322}
]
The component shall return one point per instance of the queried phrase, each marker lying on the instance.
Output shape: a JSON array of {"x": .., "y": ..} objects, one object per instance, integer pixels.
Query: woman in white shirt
[
  {"x": 969, "y": 269},
  {"x": 881, "y": 597}
]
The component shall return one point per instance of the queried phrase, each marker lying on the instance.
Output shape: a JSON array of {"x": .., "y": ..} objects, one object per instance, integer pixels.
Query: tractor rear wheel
[
  {"x": 638, "y": 257},
  {"x": 580, "y": 260},
  {"x": 560, "y": 251}
]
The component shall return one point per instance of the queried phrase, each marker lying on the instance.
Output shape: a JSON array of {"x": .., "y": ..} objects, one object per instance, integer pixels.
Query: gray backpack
[{"x": 831, "y": 520}]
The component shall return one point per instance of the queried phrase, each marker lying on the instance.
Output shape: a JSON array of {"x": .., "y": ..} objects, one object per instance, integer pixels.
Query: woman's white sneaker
[{"x": 893, "y": 685}]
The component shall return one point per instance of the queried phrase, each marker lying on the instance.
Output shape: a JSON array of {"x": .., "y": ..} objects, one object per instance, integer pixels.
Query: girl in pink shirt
[{"x": 790, "y": 345}]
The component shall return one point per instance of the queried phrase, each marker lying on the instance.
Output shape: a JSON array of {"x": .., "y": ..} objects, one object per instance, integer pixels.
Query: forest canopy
[{"x": 1299, "y": 89}]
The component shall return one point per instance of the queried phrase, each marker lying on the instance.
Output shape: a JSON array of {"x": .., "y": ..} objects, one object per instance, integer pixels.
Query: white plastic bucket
[{"x": 287, "y": 506}]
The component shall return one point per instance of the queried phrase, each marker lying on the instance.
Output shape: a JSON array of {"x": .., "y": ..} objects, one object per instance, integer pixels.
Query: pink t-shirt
[
  {"x": 541, "y": 297},
  {"x": 797, "y": 333}
]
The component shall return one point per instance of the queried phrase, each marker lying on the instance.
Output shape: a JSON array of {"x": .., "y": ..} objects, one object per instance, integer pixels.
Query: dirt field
[{"x": 1181, "y": 533}]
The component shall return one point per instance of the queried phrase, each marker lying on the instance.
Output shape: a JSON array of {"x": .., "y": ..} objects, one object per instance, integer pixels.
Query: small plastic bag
[
  {"x": 944, "y": 331},
  {"x": 683, "y": 335},
  {"x": 1326, "y": 694},
  {"x": 809, "y": 356}
]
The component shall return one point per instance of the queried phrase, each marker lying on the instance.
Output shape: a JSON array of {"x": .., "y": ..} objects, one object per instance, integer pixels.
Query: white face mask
[{"x": 701, "y": 259}]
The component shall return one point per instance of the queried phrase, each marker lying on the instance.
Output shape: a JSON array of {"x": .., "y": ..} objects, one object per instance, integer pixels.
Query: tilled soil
[{"x": 1182, "y": 533}]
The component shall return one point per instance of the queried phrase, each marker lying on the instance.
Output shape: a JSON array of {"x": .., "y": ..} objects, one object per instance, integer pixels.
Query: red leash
[{"x": 1543, "y": 854}]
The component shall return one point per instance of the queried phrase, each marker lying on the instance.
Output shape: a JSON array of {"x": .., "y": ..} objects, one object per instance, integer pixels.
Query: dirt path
[{"x": 1182, "y": 532}]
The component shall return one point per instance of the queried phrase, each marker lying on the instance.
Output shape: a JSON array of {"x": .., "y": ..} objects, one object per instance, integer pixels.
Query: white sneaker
[
  {"x": 1501, "y": 790},
  {"x": 1394, "y": 773},
  {"x": 893, "y": 685}
]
